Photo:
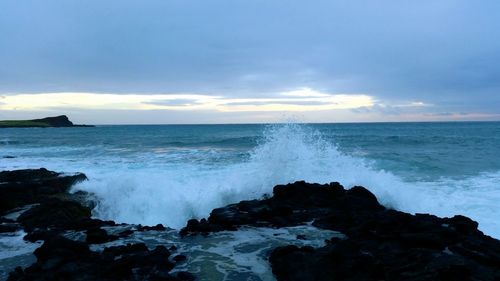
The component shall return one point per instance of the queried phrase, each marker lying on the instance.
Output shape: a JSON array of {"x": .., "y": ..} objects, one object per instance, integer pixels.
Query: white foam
[
  {"x": 228, "y": 255},
  {"x": 172, "y": 186},
  {"x": 246, "y": 250},
  {"x": 172, "y": 193},
  {"x": 12, "y": 245}
]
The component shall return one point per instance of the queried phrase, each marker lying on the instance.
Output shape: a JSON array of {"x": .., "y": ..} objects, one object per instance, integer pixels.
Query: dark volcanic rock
[
  {"x": 354, "y": 260},
  {"x": 22, "y": 187},
  {"x": 9, "y": 227},
  {"x": 62, "y": 259},
  {"x": 381, "y": 244},
  {"x": 54, "y": 209},
  {"x": 158, "y": 227},
  {"x": 180, "y": 258},
  {"x": 98, "y": 236},
  {"x": 291, "y": 204},
  {"x": 55, "y": 213}
]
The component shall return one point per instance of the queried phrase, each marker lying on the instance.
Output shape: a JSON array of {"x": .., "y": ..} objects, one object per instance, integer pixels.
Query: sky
[{"x": 254, "y": 61}]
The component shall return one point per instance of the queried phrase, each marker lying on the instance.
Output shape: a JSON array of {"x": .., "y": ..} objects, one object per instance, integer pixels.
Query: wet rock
[
  {"x": 380, "y": 244},
  {"x": 98, "y": 236},
  {"x": 23, "y": 187},
  {"x": 125, "y": 233},
  {"x": 54, "y": 213},
  {"x": 63, "y": 249},
  {"x": 462, "y": 224},
  {"x": 355, "y": 260},
  {"x": 41, "y": 234},
  {"x": 185, "y": 276},
  {"x": 60, "y": 215},
  {"x": 343, "y": 262},
  {"x": 158, "y": 227},
  {"x": 63, "y": 259},
  {"x": 85, "y": 199},
  {"x": 291, "y": 204},
  {"x": 9, "y": 227},
  {"x": 179, "y": 258},
  {"x": 6, "y": 220}
]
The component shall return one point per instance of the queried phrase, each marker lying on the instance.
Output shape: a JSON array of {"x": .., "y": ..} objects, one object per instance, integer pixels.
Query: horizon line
[{"x": 300, "y": 123}]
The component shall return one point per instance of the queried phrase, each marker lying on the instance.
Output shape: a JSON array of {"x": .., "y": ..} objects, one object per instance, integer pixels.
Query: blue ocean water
[{"x": 170, "y": 173}]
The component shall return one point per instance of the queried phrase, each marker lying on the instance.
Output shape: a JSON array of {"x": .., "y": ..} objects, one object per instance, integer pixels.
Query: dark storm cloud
[{"x": 444, "y": 52}]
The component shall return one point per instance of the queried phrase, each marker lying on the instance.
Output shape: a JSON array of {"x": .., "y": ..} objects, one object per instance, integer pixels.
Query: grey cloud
[
  {"x": 448, "y": 113},
  {"x": 441, "y": 52},
  {"x": 385, "y": 110}
]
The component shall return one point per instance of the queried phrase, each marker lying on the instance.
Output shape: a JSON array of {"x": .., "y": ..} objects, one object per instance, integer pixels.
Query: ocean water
[{"x": 170, "y": 173}]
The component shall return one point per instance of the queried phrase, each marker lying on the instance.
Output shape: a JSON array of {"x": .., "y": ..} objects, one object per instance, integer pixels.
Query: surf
[{"x": 173, "y": 192}]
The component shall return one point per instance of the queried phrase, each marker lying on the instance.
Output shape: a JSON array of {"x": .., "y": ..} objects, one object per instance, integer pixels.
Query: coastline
[
  {"x": 61, "y": 121},
  {"x": 376, "y": 242}
]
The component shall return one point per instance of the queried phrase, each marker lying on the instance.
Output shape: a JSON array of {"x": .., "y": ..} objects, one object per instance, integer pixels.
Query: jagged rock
[
  {"x": 63, "y": 259},
  {"x": 23, "y": 187},
  {"x": 158, "y": 227},
  {"x": 98, "y": 236},
  {"x": 9, "y": 227},
  {"x": 179, "y": 258},
  {"x": 356, "y": 260},
  {"x": 291, "y": 204},
  {"x": 55, "y": 213},
  {"x": 380, "y": 244}
]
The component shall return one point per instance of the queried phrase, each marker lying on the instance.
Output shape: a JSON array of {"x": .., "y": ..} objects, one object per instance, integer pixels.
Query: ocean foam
[
  {"x": 12, "y": 245},
  {"x": 171, "y": 193},
  {"x": 171, "y": 185}
]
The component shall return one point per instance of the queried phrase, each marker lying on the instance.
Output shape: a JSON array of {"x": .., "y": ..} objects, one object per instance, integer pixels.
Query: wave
[{"x": 171, "y": 193}]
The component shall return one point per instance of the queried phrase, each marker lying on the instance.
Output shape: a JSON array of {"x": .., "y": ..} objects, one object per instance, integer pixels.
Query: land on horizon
[
  {"x": 63, "y": 121},
  {"x": 56, "y": 121}
]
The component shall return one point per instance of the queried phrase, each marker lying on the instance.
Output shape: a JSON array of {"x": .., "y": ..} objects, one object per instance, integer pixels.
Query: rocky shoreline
[{"x": 377, "y": 243}]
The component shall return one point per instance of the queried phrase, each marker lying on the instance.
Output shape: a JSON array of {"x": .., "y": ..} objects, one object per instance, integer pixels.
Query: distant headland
[{"x": 56, "y": 121}]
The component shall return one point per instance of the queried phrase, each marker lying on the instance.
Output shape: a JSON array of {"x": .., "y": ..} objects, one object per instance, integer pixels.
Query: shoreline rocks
[
  {"x": 64, "y": 259},
  {"x": 381, "y": 244},
  {"x": 52, "y": 212},
  {"x": 377, "y": 243},
  {"x": 22, "y": 187}
]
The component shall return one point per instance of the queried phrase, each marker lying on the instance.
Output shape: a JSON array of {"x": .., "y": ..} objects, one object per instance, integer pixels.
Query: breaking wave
[{"x": 171, "y": 193}]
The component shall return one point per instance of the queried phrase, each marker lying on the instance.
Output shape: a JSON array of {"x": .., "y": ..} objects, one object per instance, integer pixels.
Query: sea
[{"x": 150, "y": 174}]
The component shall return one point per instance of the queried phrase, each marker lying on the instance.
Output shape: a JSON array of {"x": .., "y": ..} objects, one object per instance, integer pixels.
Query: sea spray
[
  {"x": 172, "y": 193},
  {"x": 167, "y": 174}
]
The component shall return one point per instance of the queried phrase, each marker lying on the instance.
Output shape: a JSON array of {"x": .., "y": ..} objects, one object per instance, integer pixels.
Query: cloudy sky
[{"x": 186, "y": 61}]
